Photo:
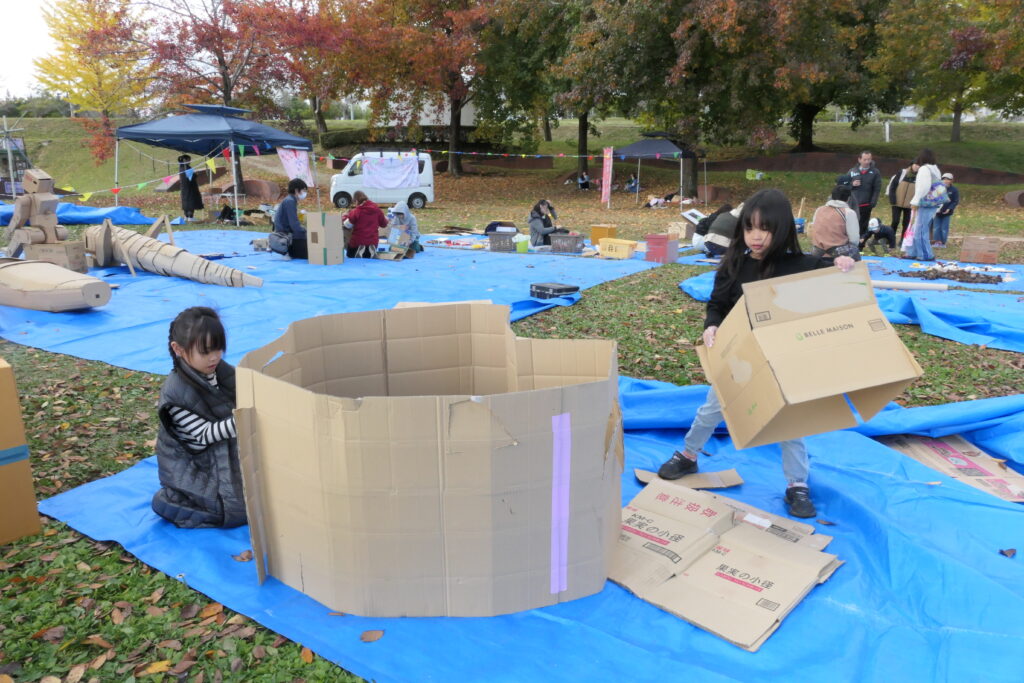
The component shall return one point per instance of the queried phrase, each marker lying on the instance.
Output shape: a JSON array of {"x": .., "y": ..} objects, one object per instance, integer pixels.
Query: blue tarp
[
  {"x": 924, "y": 594},
  {"x": 75, "y": 214},
  {"x": 131, "y": 330},
  {"x": 887, "y": 268},
  {"x": 983, "y": 318}
]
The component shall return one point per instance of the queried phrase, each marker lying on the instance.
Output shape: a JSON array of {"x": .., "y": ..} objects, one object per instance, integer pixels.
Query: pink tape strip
[{"x": 561, "y": 457}]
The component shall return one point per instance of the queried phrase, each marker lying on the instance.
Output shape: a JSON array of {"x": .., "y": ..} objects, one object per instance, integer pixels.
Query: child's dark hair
[
  {"x": 841, "y": 192},
  {"x": 296, "y": 185},
  {"x": 197, "y": 328},
  {"x": 775, "y": 215}
]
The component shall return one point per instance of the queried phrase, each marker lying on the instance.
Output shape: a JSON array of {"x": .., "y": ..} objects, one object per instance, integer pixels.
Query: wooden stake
[{"x": 800, "y": 212}]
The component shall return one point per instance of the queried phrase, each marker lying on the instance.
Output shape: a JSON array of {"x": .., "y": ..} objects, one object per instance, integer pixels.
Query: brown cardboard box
[
  {"x": 960, "y": 459},
  {"x": 18, "y": 515},
  {"x": 699, "y": 557},
  {"x": 602, "y": 230},
  {"x": 781, "y": 360},
  {"x": 43, "y": 203},
  {"x": 424, "y": 461},
  {"x": 68, "y": 254},
  {"x": 980, "y": 249},
  {"x": 37, "y": 180},
  {"x": 325, "y": 238}
]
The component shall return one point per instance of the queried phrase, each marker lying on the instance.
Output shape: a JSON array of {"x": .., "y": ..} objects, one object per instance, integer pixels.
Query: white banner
[
  {"x": 296, "y": 165},
  {"x": 389, "y": 173}
]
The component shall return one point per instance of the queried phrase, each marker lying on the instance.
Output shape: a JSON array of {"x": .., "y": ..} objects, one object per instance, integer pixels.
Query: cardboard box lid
[{"x": 814, "y": 292}]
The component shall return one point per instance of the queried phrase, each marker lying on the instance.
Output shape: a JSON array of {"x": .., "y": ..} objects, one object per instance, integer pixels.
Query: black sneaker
[
  {"x": 798, "y": 500},
  {"x": 677, "y": 466}
]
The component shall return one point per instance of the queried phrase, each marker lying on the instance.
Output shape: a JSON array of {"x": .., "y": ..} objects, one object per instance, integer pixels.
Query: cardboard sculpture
[
  {"x": 778, "y": 362},
  {"x": 424, "y": 461},
  {"x": 43, "y": 286},
  {"x": 43, "y": 240},
  {"x": 109, "y": 245},
  {"x": 18, "y": 515}
]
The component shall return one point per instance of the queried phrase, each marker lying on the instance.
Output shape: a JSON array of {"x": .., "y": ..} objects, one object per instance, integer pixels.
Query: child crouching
[{"x": 196, "y": 449}]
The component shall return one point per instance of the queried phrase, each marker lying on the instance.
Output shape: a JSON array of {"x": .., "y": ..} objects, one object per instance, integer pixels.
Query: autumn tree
[
  {"x": 425, "y": 54},
  {"x": 316, "y": 42},
  {"x": 94, "y": 77},
  {"x": 938, "y": 49}
]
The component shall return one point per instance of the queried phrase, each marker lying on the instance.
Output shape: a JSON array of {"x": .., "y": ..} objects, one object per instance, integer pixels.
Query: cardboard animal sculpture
[
  {"x": 44, "y": 286},
  {"x": 33, "y": 229},
  {"x": 109, "y": 244}
]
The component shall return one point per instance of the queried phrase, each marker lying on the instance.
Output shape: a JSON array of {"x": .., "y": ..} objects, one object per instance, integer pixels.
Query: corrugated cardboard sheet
[
  {"x": 325, "y": 238},
  {"x": 18, "y": 515},
  {"x": 723, "y": 566},
  {"x": 424, "y": 461},
  {"x": 783, "y": 363},
  {"x": 960, "y": 459}
]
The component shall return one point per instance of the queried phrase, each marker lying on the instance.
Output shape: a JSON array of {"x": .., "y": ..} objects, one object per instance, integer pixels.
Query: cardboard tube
[{"x": 910, "y": 284}]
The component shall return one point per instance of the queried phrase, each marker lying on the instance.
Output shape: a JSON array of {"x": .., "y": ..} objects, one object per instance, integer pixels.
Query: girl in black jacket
[
  {"x": 197, "y": 452},
  {"x": 765, "y": 246}
]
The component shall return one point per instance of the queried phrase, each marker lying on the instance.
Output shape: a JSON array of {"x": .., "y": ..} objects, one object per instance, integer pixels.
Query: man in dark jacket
[
  {"x": 865, "y": 183},
  {"x": 191, "y": 198}
]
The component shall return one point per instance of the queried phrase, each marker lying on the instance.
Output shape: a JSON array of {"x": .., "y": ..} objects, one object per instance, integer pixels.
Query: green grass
[{"x": 87, "y": 419}]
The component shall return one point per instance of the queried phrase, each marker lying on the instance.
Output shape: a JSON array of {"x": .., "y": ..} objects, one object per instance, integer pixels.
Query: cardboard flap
[
  {"x": 784, "y": 299},
  {"x": 471, "y": 423},
  {"x": 701, "y": 480},
  {"x": 249, "y": 464}
]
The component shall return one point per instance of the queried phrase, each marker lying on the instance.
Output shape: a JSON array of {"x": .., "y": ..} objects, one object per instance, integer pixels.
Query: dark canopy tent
[
  {"x": 213, "y": 129},
  {"x": 655, "y": 146}
]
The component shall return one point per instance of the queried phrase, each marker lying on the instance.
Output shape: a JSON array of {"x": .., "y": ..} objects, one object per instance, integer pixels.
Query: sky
[{"x": 18, "y": 47}]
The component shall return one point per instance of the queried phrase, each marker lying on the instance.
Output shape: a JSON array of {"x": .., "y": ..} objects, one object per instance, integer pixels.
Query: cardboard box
[
  {"x": 325, "y": 237},
  {"x": 698, "y": 480},
  {"x": 781, "y": 360},
  {"x": 691, "y": 554},
  {"x": 424, "y": 461},
  {"x": 18, "y": 514},
  {"x": 662, "y": 249},
  {"x": 68, "y": 254},
  {"x": 960, "y": 459},
  {"x": 602, "y": 230},
  {"x": 617, "y": 249},
  {"x": 37, "y": 180},
  {"x": 980, "y": 249}
]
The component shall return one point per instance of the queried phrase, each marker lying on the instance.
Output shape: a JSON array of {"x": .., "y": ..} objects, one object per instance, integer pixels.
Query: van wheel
[
  {"x": 417, "y": 201},
  {"x": 343, "y": 200}
]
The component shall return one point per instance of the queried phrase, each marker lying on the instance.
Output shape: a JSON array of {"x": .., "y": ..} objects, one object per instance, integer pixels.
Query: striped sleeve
[{"x": 198, "y": 431}]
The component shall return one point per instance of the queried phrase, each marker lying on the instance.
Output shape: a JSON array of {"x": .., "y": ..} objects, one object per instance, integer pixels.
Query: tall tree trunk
[
  {"x": 803, "y": 126},
  {"x": 318, "y": 114},
  {"x": 958, "y": 113},
  {"x": 454, "y": 135},
  {"x": 581, "y": 141},
  {"x": 547, "y": 127}
]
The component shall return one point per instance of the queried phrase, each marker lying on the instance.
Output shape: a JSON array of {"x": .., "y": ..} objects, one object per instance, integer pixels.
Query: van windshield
[{"x": 357, "y": 168}]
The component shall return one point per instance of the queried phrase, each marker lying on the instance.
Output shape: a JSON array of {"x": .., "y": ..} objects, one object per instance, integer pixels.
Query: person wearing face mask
[{"x": 286, "y": 218}]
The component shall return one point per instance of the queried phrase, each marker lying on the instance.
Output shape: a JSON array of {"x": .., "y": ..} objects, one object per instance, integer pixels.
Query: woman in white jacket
[{"x": 927, "y": 175}]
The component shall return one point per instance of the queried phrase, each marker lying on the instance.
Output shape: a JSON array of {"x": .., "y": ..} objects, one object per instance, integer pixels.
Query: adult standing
[
  {"x": 900, "y": 192},
  {"x": 865, "y": 185},
  {"x": 367, "y": 219},
  {"x": 927, "y": 175},
  {"x": 286, "y": 219},
  {"x": 940, "y": 224},
  {"x": 191, "y": 198}
]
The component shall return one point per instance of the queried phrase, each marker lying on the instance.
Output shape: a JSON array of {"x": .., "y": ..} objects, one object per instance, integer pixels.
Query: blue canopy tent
[
  {"x": 209, "y": 131},
  {"x": 655, "y": 146}
]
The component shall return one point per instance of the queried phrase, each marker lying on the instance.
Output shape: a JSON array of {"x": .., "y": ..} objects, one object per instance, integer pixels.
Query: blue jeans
[
  {"x": 940, "y": 227},
  {"x": 921, "y": 248},
  {"x": 795, "y": 465}
]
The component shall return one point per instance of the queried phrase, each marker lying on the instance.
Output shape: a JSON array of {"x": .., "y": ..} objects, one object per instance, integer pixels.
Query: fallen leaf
[
  {"x": 934, "y": 483},
  {"x": 100, "y": 661},
  {"x": 189, "y": 611},
  {"x": 258, "y": 652},
  {"x": 1009, "y": 552},
  {"x": 170, "y": 644},
  {"x": 4, "y": 678},
  {"x": 162, "y": 666},
  {"x": 76, "y": 673},
  {"x": 117, "y": 616},
  {"x": 244, "y": 556},
  {"x": 50, "y": 634},
  {"x": 825, "y": 522},
  {"x": 49, "y": 679},
  {"x": 307, "y": 655},
  {"x": 155, "y": 596},
  {"x": 236, "y": 665},
  {"x": 50, "y": 532},
  {"x": 279, "y": 641},
  {"x": 154, "y": 611},
  {"x": 212, "y": 609},
  {"x": 97, "y": 640},
  {"x": 336, "y": 614},
  {"x": 371, "y": 636},
  {"x": 237, "y": 619},
  {"x": 246, "y": 633},
  {"x": 183, "y": 666}
]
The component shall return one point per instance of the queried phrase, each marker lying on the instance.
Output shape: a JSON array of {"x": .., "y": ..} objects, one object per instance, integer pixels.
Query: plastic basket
[
  {"x": 502, "y": 242},
  {"x": 567, "y": 244}
]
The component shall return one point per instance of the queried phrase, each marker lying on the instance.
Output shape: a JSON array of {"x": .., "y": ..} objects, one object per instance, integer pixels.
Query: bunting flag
[
  {"x": 116, "y": 190},
  {"x": 212, "y": 165},
  {"x": 168, "y": 179},
  {"x": 141, "y": 186},
  {"x": 189, "y": 173},
  {"x": 521, "y": 155},
  {"x": 226, "y": 152},
  {"x": 256, "y": 148},
  {"x": 241, "y": 150},
  {"x": 87, "y": 196}
]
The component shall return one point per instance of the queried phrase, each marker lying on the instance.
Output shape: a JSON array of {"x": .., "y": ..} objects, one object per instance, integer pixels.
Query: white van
[{"x": 346, "y": 183}]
